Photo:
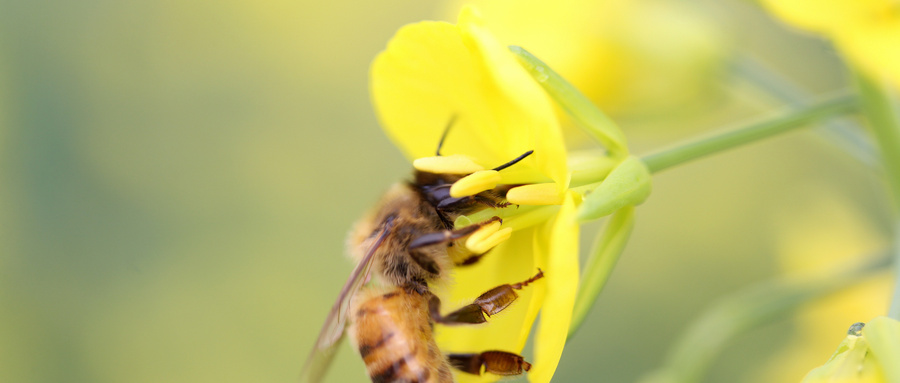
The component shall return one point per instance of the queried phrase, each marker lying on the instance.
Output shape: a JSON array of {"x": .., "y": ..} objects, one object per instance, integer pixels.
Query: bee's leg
[
  {"x": 462, "y": 203},
  {"x": 470, "y": 260},
  {"x": 447, "y": 236},
  {"x": 495, "y": 362},
  {"x": 490, "y": 303}
]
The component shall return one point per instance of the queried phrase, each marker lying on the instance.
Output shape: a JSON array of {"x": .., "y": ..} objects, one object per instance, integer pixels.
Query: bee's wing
[{"x": 333, "y": 330}]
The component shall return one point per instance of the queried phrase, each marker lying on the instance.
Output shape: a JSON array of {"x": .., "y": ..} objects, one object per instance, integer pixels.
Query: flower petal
[
  {"x": 883, "y": 335},
  {"x": 874, "y": 45},
  {"x": 525, "y": 107},
  {"x": 432, "y": 72},
  {"x": 561, "y": 266},
  {"x": 508, "y": 330},
  {"x": 867, "y": 31}
]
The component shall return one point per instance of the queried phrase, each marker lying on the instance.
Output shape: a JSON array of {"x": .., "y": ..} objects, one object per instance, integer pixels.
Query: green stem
[
  {"x": 751, "y": 133},
  {"x": 878, "y": 108},
  {"x": 894, "y": 310},
  {"x": 843, "y": 134}
]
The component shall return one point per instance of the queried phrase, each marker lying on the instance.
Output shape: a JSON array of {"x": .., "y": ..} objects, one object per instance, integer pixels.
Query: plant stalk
[
  {"x": 879, "y": 110},
  {"x": 754, "y": 132}
]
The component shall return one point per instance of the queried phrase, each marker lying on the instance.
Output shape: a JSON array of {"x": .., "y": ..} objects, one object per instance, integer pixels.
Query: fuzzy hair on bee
[
  {"x": 411, "y": 218},
  {"x": 393, "y": 333}
]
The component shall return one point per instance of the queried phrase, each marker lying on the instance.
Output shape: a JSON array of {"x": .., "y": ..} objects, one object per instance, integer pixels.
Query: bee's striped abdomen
[{"x": 393, "y": 335}]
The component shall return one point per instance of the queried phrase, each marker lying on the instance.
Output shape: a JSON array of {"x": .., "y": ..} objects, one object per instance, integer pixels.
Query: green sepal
[
  {"x": 601, "y": 261},
  {"x": 629, "y": 184},
  {"x": 589, "y": 117}
]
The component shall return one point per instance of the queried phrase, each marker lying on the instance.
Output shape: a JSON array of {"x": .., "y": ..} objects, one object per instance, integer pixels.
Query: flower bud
[{"x": 868, "y": 354}]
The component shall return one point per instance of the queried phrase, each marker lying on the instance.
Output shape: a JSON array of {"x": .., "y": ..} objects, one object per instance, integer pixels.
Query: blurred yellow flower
[
  {"x": 869, "y": 354},
  {"x": 627, "y": 56},
  {"x": 822, "y": 235},
  {"x": 433, "y": 73},
  {"x": 866, "y": 31}
]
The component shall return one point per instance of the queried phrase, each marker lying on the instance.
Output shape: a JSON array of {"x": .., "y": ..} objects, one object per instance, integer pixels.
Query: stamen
[
  {"x": 475, "y": 183},
  {"x": 452, "y": 164},
  {"x": 483, "y": 233},
  {"x": 485, "y": 244},
  {"x": 536, "y": 194}
]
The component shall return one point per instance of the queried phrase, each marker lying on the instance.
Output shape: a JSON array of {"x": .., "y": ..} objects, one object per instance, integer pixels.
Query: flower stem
[
  {"x": 878, "y": 108},
  {"x": 843, "y": 134},
  {"x": 885, "y": 126},
  {"x": 751, "y": 133}
]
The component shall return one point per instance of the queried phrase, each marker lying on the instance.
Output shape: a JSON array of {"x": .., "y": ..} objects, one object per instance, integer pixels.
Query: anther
[
  {"x": 452, "y": 164},
  {"x": 535, "y": 194},
  {"x": 483, "y": 233},
  {"x": 489, "y": 242},
  {"x": 475, "y": 183}
]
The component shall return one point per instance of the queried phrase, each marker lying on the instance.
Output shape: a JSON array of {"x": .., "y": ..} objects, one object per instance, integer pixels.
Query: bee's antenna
[
  {"x": 444, "y": 135},
  {"x": 513, "y": 162}
]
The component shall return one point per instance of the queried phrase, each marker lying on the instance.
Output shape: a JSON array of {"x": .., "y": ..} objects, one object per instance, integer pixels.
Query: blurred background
[{"x": 177, "y": 180}]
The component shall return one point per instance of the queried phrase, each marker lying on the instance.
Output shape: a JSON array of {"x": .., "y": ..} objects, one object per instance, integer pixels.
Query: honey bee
[{"x": 405, "y": 243}]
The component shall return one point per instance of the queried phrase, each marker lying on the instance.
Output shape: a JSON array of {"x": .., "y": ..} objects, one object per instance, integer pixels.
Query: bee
[{"x": 405, "y": 243}]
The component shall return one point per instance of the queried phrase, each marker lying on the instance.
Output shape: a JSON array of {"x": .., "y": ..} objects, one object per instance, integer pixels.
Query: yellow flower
[
  {"x": 828, "y": 236},
  {"x": 433, "y": 73},
  {"x": 869, "y": 354},
  {"x": 866, "y": 31},
  {"x": 627, "y": 56}
]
